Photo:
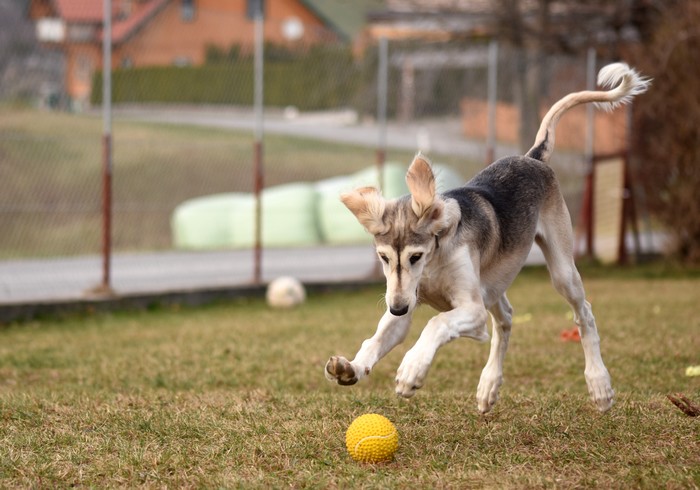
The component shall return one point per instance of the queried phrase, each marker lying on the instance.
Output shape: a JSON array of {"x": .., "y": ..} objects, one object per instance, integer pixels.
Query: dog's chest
[{"x": 434, "y": 289}]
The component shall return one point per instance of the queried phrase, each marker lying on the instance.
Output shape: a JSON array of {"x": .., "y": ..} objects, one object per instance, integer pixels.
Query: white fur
[{"x": 628, "y": 83}]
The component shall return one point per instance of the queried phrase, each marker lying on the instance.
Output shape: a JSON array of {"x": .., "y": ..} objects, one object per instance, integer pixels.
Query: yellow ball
[{"x": 372, "y": 438}]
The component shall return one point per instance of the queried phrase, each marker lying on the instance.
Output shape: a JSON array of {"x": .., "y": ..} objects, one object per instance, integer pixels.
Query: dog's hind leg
[
  {"x": 492, "y": 374},
  {"x": 555, "y": 238}
]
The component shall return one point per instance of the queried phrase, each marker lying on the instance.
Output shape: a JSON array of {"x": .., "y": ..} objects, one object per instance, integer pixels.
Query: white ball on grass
[{"x": 285, "y": 292}]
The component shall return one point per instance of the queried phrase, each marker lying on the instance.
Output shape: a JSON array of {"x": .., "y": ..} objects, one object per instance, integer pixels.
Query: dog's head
[{"x": 406, "y": 230}]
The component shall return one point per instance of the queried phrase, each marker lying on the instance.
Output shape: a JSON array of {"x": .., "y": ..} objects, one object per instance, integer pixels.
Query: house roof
[
  {"x": 141, "y": 13},
  {"x": 91, "y": 12},
  {"x": 571, "y": 24},
  {"x": 347, "y": 18},
  {"x": 343, "y": 17}
]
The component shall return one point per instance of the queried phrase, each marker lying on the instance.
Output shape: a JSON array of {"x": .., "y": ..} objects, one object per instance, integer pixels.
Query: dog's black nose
[{"x": 397, "y": 312}]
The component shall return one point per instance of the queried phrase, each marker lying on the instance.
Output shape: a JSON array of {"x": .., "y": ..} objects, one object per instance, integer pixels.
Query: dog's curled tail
[{"x": 627, "y": 82}]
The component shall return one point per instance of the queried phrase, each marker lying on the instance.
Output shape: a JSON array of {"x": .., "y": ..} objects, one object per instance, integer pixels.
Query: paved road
[
  {"x": 441, "y": 135},
  {"x": 65, "y": 279},
  {"x": 70, "y": 278}
]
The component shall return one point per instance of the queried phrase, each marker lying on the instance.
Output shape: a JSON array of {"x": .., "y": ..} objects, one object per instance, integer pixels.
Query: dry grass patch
[{"x": 234, "y": 396}]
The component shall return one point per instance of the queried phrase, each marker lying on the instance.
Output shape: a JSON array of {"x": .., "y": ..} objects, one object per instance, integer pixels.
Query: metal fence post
[
  {"x": 382, "y": 83},
  {"x": 492, "y": 100},
  {"x": 589, "y": 151},
  {"x": 258, "y": 172},
  {"x": 105, "y": 287}
]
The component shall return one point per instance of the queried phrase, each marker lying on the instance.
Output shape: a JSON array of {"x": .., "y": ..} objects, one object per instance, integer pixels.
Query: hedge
[{"x": 319, "y": 80}]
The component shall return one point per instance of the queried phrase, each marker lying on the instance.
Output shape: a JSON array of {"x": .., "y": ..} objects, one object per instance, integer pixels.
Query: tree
[
  {"x": 537, "y": 30},
  {"x": 667, "y": 131},
  {"x": 517, "y": 32}
]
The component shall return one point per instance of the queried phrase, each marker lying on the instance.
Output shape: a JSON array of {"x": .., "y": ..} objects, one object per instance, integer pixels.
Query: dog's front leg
[
  {"x": 391, "y": 331},
  {"x": 466, "y": 321}
]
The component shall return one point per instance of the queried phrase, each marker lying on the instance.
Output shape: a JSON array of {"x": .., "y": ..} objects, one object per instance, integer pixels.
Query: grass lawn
[{"x": 233, "y": 395}]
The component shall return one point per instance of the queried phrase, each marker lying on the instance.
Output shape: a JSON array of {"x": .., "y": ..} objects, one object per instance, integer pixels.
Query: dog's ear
[
  {"x": 434, "y": 214},
  {"x": 368, "y": 206},
  {"x": 437, "y": 218},
  {"x": 421, "y": 184}
]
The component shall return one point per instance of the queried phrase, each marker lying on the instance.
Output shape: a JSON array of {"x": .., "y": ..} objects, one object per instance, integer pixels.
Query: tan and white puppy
[{"x": 459, "y": 251}]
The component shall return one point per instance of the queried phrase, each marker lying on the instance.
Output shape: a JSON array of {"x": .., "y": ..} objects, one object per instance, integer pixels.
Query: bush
[{"x": 320, "y": 78}]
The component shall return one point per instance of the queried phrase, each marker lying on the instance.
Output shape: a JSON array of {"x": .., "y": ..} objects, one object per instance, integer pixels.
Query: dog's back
[{"x": 500, "y": 205}]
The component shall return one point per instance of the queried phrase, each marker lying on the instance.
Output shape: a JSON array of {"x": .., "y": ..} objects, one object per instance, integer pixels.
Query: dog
[{"x": 459, "y": 251}]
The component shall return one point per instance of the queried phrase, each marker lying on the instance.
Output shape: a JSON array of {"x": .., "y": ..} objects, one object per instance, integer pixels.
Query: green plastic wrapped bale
[
  {"x": 228, "y": 220},
  {"x": 338, "y": 225},
  {"x": 289, "y": 216},
  {"x": 204, "y": 222}
]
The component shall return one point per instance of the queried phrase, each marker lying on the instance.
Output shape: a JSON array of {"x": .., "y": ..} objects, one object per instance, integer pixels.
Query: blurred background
[{"x": 351, "y": 90}]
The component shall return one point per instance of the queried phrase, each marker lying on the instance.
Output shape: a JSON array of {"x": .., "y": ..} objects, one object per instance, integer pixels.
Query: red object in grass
[{"x": 570, "y": 335}]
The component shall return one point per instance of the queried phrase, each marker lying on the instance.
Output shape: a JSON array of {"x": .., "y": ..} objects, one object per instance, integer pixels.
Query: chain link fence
[{"x": 183, "y": 150}]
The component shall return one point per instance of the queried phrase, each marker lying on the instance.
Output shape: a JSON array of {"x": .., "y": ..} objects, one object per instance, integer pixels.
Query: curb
[{"x": 28, "y": 311}]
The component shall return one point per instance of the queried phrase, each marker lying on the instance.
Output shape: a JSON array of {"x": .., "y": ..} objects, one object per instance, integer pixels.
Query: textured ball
[
  {"x": 285, "y": 292},
  {"x": 372, "y": 438}
]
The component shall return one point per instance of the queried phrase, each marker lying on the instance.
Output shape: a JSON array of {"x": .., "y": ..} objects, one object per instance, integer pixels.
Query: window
[
  {"x": 187, "y": 9},
  {"x": 182, "y": 61},
  {"x": 125, "y": 10},
  {"x": 81, "y": 32},
  {"x": 255, "y": 7}
]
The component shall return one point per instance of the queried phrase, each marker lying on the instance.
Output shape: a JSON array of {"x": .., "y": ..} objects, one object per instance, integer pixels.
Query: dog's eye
[
  {"x": 384, "y": 258},
  {"x": 415, "y": 258}
]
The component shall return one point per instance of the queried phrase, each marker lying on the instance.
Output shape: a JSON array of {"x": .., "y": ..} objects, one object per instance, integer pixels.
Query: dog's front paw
[
  {"x": 411, "y": 375},
  {"x": 340, "y": 370},
  {"x": 600, "y": 390}
]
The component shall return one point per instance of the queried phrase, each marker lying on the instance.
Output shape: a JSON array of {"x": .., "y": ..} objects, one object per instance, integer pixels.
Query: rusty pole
[
  {"x": 105, "y": 287},
  {"x": 492, "y": 100},
  {"x": 382, "y": 82},
  {"x": 258, "y": 170},
  {"x": 588, "y": 198}
]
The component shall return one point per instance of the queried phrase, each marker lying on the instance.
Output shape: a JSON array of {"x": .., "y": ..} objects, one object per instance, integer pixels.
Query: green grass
[
  {"x": 233, "y": 395},
  {"x": 50, "y": 177}
]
